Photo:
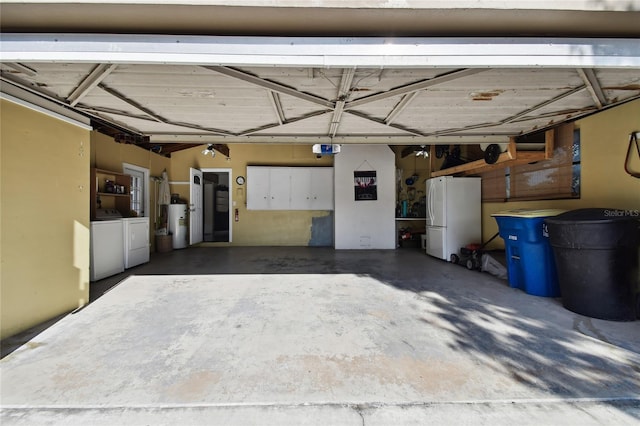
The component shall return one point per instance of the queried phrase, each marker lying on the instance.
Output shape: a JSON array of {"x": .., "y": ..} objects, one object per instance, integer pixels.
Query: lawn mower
[{"x": 471, "y": 255}]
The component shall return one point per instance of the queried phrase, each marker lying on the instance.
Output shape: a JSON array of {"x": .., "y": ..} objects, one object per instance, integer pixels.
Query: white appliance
[
  {"x": 107, "y": 249},
  {"x": 454, "y": 216},
  {"x": 136, "y": 241},
  {"x": 177, "y": 224}
]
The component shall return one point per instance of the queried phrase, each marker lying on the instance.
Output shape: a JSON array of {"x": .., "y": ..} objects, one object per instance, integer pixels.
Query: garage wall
[
  {"x": 44, "y": 247},
  {"x": 109, "y": 155},
  {"x": 604, "y": 139},
  {"x": 255, "y": 227},
  {"x": 365, "y": 224}
]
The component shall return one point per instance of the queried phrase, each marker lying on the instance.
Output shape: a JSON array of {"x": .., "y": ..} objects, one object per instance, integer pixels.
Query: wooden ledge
[{"x": 512, "y": 157}]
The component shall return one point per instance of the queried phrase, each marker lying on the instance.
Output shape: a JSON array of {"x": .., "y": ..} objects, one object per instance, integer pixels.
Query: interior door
[{"x": 196, "y": 217}]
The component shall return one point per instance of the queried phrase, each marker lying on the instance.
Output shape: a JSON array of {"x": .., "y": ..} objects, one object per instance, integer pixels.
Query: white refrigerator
[{"x": 454, "y": 217}]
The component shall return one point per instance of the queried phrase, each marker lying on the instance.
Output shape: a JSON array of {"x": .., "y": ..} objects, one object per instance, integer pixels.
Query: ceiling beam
[
  {"x": 393, "y": 126},
  {"x": 94, "y": 110},
  {"x": 542, "y": 105},
  {"x": 270, "y": 85},
  {"x": 22, "y": 69},
  {"x": 445, "y": 132},
  {"x": 404, "y": 102},
  {"x": 323, "y": 52},
  {"x": 158, "y": 117},
  {"x": 352, "y": 139},
  {"x": 343, "y": 94},
  {"x": 274, "y": 99},
  {"x": 337, "y": 117},
  {"x": 414, "y": 87},
  {"x": 593, "y": 86},
  {"x": 565, "y": 113},
  {"x": 291, "y": 120},
  {"x": 99, "y": 73},
  {"x": 131, "y": 102}
]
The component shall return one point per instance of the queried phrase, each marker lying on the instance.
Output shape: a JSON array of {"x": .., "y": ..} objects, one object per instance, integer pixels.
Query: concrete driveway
[{"x": 317, "y": 336}]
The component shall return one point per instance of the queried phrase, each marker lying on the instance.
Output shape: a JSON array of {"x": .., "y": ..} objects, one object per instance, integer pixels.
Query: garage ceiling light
[{"x": 209, "y": 150}]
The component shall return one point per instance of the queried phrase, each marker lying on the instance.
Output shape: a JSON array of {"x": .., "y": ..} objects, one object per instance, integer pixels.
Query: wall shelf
[
  {"x": 512, "y": 157},
  {"x": 118, "y": 201}
]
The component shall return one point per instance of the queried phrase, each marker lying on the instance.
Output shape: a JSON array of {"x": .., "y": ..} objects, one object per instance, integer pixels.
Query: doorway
[{"x": 216, "y": 205}]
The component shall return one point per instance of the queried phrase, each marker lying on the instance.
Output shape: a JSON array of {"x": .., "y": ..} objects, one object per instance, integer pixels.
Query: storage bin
[
  {"x": 164, "y": 243},
  {"x": 530, "y": 262},
  {"x": 597, "y": 251}
]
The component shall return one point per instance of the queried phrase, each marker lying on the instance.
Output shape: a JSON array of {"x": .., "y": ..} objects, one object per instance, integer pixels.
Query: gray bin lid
[
  {"x": 595, "y": 228},
  {"x": 597, "y": 215}
]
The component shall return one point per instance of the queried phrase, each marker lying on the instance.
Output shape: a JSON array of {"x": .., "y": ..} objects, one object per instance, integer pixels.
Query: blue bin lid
[{"x": 529, "y": 213}]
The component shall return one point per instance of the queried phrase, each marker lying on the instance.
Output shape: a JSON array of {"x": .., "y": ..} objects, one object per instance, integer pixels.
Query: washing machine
[{"x": 107, "y": 245}]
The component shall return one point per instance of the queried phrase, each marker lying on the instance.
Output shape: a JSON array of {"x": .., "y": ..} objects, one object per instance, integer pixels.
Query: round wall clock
[{"x": 240, "y": 180}]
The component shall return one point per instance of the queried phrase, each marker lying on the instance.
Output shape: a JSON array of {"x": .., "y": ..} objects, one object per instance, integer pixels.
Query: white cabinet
[
  {"x": 289, "y": 188},
  {"x": 258, "y": 195},
  {"x": 322, "y": 188},
  {"x": 279, "y": 188},
  {"x": 300, "y": 189}
]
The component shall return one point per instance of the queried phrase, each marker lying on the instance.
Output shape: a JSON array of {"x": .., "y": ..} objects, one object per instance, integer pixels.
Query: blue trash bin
[{"x": 530, "y": 262}]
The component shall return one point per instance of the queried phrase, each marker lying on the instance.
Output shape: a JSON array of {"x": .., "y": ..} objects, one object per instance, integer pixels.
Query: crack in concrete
[{"x": 577, "y": 321}]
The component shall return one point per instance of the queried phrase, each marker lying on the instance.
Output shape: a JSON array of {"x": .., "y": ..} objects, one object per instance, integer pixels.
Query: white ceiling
[
  {"x": 403, "y": 100},
  {"x": 186, "y": 103},
  {"x": 403, "y": 72}
]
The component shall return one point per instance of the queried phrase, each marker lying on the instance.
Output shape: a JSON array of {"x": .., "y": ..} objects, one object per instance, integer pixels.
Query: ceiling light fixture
[
  {"x": 209, "y": 150},
  {"x": 422, "y": 152}
]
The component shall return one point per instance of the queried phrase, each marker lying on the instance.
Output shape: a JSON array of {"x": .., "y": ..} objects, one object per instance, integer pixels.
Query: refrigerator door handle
[{"x": 430, "y": 205}]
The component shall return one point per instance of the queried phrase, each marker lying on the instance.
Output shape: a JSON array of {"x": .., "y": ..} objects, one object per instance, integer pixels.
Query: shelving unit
[
  {"x": 110, "y": 200},
  {"x": 512, "y": 157}
]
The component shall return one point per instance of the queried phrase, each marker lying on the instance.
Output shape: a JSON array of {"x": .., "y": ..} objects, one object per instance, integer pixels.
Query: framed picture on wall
[{"x": 366, "y": 185}]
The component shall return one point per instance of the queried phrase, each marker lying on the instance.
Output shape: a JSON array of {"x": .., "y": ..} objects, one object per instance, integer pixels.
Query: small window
[
  {"x": 137, "y": 194},
  {"x": 139, "y": 188}
]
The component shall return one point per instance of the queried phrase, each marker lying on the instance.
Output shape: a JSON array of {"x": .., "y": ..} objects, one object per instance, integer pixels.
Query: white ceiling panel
[
  {"x": 312, "y": 126},
  {"x": 401, "y": 99}
]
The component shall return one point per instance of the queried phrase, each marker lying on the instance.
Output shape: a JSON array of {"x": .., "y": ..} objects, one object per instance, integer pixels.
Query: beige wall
[
  {"x": 254, "y": 228},
  {"x": 44, "y": 229},
  {"x": 604, "y": 140},
  {"x": 109, "y": 155}
]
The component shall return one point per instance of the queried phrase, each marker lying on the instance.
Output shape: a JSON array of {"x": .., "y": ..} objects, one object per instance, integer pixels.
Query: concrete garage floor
[{"x": 316, "y": 336}]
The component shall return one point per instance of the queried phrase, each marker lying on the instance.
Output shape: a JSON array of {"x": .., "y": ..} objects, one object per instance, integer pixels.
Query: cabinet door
[
  {"x": 258, "y": 196},
  {"x": 321, "y": 188},
  {"x": 279, "y": 188},
  {"x": 300, "y": 188}
]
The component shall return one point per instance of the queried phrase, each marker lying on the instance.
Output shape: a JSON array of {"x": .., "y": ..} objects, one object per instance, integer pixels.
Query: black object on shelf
[{"x": 596, "y": 253}]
